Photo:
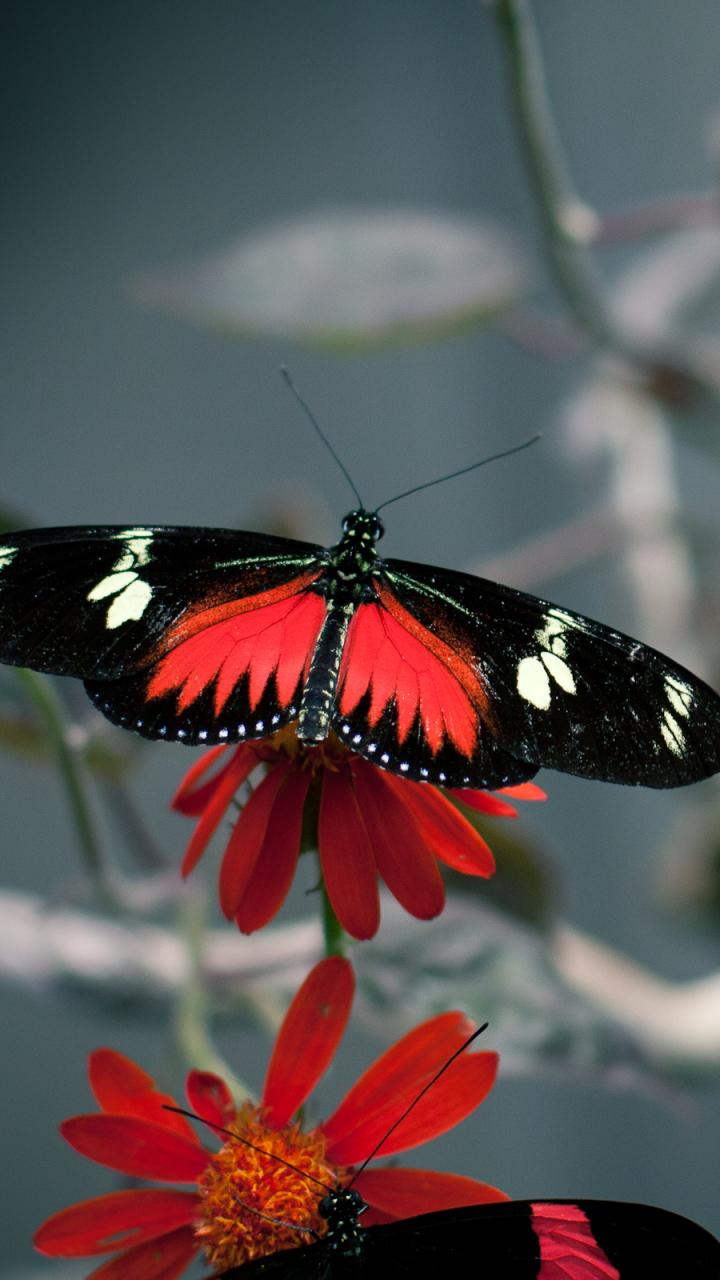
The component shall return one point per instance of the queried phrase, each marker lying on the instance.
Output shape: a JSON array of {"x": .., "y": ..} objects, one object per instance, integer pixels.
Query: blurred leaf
[
  {"x": 522, "y": 884},
  {"x": 350, "y": 280}
]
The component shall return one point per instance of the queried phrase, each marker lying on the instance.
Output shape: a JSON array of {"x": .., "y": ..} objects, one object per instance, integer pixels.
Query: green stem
[
  {"x": 336, "y": 941},
  {"x": 568, "y": 223},
  {"x": 47, "y": 703},
  {"x": 190, "y": 1021}
]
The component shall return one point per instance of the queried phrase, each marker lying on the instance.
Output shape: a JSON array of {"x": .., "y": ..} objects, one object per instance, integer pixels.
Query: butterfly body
[
  {"x": 207, "y": 636},
  {"x": 510, "y": 1240}
]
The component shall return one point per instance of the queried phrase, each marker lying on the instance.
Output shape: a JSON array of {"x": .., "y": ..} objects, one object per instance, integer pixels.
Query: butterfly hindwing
[
  {"x": 514, "y": 1240},
  {"x": 560, "y": 690}
]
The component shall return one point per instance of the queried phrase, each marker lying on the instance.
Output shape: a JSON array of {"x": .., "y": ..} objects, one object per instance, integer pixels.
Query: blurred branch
[
  {"x": 191, "y": 1017},
  {"x": 677, "y": 1021},
  {"x": 588, "y": 1018},
  {"x": 44, "y": 699},
  {"x": 658, "y": 216},
  {"x": 569, "y": 224}
]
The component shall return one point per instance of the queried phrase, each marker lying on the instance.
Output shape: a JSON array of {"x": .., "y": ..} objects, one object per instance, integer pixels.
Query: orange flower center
[
  {"x": 325, "y": 755},
  {"x": 239, "y": 1179}
]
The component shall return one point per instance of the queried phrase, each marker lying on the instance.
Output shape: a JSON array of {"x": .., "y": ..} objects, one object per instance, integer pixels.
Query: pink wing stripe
[
  {"x": 568, "y": 1248},
  {"x": 277, "y": 638},
  {"x": 381, "y": 655}
]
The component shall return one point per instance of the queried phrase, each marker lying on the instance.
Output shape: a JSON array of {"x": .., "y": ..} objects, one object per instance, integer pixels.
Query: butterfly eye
[
  {"x": 355, "y": 1197},
  {"x": 325, "y": 1206},
  {"x": 377, "y": 528},
  {"x": 351, "y": 520}
]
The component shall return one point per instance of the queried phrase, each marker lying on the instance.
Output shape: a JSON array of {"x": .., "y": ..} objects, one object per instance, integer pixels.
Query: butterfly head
[
  {"x": 364, "y": 526},
  {"x": 341, "y": 1209}
]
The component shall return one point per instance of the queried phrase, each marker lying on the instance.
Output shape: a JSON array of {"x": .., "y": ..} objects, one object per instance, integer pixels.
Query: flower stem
[
  {"x": 568, "y": 223},
  {"x": 335, "y": 936},
  {"x": 42, "y": 694},
  {"x": 190, "y": 1021}
]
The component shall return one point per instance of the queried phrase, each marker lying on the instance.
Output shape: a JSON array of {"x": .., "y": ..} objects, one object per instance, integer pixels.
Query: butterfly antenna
[
  {"x": 463, "y": 471},
  {"x": 321, "y": 434},
  {"x": 192, "y": 1115},
  {"x": 421, "y": 1094}
]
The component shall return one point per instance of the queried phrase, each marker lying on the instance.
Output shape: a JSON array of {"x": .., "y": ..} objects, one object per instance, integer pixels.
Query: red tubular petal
[
  {"x": 113, "y": 1222},
  {"x": 137, "y": 1147},
  {"x": 308, "y": 1038},
  {"x": 247, "y": 837},
  {"x": 274, "y": 869},
  {"x": 210, "y": 1098},
  {"x": 164, "y": 1258},
  {"x": 450, "y": 836},
  {"x": 403, "y": 1193},
  {"x": 483, "y": 802},
  {"x": 402, "y": 856},
  {"x": 524, "y": 791},
  {"x": 459, "y": 1091},
  {"x": 346, "y": 856},
  {"x": 191, "y": 799},
  {"x": 124, "y": 1089},
  {"x": 239, "y": 768}
]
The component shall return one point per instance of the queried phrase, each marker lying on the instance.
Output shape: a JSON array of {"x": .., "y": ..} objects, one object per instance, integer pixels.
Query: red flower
[
  {"x": 164, "y": 1229},
  {"x": 370, "y": 823}
]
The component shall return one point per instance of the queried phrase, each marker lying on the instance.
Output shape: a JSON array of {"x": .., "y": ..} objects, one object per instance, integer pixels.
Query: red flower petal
[
  {"x": 308, "y": 1038},
  {"x": 247, "y": 837},
  {"x": 137, "y": 1147},
  {"x": 190, "y": 799},
  {"x": 210, "y": 1098},
  {"x": 124, "y": 1089},
  {"x": 112, "y": 1222},
  {"x": 402, "y": 856},
  {"x": 524, "y": 791},
  {"x": 274, "y": 869},
  {"x": 394, "y": 1081},
  {"x": 240, "y": 766},
  {"x": 346, "y": 856},
  {"x": 483, "y": 802},
  {"x": 403, "y": 1193},
  {"x": 450, "y": 836},
  {"x": 164, "y": 1258}
]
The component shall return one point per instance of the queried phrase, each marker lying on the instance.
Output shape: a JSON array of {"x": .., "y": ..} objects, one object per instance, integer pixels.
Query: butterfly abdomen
[{"x": 318, "y": 702}]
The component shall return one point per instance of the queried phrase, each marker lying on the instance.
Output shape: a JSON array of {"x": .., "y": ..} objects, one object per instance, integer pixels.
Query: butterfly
[
  {"x": 207, "y": 636},
  {"x": 510, "y": 1240}
]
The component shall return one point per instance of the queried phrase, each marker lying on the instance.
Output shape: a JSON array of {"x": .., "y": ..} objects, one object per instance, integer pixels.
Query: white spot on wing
[
  {"x": 6, "y": 555},
  {"x": 532, "y": 683},
  {"x": 559, "y": 671},
  {"x": 113, "y": 583},
  {"x": 670, "y": 740},
  {"x": 130, "y": 604},
  {"x": 679, "y": 695}
]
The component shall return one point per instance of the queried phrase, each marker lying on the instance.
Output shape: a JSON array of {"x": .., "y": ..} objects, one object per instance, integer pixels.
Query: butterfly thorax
[
  {"x": 344, "y": 1233},
  {"x": 346, "y": 583},
  {"x": 354, "y": 558}
]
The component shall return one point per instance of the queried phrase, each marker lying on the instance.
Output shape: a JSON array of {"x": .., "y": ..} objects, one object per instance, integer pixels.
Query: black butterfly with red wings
[
  {"x": 213, "y": 636},
  {"x": 511, "y": 1240}
]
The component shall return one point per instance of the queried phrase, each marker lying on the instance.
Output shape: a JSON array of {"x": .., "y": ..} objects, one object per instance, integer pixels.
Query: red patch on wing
[
  {"x": 265, "y": 639},
  {"x": 389, "y": 652},
  {"x": 568, "y": 1248}
]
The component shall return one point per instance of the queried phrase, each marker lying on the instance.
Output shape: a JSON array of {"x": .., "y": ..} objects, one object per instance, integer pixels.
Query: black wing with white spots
[
  {"x": 98, "y": 602},
  {"x": 565, "y": 692}
]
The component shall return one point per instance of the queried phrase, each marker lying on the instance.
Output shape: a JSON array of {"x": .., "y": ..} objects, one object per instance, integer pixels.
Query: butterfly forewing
[
  {"x": 108, "y": 603},
  {"x": 563, "y": 691}
]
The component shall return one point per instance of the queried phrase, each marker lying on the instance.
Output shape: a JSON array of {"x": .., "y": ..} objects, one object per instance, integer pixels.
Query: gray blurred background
[{"x": 138, "y": 135}]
